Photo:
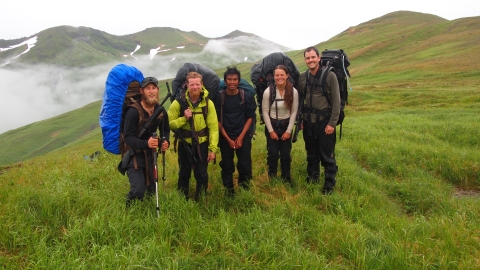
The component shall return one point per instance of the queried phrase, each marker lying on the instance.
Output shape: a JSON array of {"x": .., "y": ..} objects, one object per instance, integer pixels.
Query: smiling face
[
  {"x": 280, "y": 77},
  {"x": 232, "y": 82},
  {"x": 312, "y": 60},
  {"x": 150, "y": 94},
  {"x": 194, "y": 87}
]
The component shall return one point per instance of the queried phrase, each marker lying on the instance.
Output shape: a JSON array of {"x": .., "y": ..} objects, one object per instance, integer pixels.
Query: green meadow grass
[
  {"x": 406, "y": 196},
  {"x": 401, "y": 202}
]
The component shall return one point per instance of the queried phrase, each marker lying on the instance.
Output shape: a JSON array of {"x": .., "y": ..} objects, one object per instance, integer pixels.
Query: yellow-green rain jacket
[{"x": 176, "y": 121}]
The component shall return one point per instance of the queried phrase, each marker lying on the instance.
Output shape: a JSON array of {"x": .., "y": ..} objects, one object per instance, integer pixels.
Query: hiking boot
[
  {"x": 245, "y": 185},
  {"x": 329, "y": 186},
  {"x": 229, "y": 193},
  {"x": 312, "y": 180},
  {"x": 244, "y": 181},
  {"x": 327, "y": 191},
  {"x": 287, "y": 179},
  {"x": 150, "y": 193}
]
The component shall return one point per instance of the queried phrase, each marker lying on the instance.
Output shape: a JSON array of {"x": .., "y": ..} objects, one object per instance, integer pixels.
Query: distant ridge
[{"x": 83, "y": 46}]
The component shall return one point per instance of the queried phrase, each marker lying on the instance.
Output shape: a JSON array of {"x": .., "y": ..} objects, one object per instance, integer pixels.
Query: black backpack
[
  {"x": 261, "y": 74},
  {"x": 209, "y": 78},
  {"x": 337, "y": 62}
]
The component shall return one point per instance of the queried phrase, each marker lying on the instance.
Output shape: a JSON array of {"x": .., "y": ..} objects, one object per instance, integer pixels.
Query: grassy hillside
[
  {"x": 45, "y": 136},
  {"x": 407, "y": 193}
]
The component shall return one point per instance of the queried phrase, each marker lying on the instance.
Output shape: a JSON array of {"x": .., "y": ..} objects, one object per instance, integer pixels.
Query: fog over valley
[{"x": 36, "y": 92}]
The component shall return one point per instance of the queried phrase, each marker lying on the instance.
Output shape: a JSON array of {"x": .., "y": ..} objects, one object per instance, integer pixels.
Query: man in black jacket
[
  {"x": 140, "y": 167},
  {"x": 234, "y": 120}
]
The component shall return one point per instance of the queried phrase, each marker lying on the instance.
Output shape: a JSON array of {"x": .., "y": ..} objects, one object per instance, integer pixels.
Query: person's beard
[{"x": 150, "y": 101}]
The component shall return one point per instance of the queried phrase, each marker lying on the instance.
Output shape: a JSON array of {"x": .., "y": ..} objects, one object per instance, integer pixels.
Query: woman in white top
[{"x": 279, "y": 110}]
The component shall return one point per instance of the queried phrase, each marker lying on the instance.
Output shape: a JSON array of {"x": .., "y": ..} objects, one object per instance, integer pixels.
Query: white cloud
[{"x": 46, "y": 91}]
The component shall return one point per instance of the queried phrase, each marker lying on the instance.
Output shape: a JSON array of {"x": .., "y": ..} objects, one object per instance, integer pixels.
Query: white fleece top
[{"x": 283, "y": 112}]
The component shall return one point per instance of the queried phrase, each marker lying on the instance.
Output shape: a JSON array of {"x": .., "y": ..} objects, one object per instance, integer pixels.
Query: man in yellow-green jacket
[{"x": 193, "y": 118}]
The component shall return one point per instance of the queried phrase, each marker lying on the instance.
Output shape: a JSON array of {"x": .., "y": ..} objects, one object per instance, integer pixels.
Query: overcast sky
[{"x": 295, "y": 24}]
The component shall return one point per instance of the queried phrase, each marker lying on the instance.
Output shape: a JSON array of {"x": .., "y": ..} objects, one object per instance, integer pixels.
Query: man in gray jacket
[{"x": 319, "y": 119}]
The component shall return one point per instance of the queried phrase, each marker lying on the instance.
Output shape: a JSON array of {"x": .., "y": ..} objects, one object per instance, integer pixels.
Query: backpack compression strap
[{"x": 307, "y": 82}]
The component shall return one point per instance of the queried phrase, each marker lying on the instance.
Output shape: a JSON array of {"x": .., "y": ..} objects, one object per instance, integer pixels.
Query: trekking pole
[
  {"x": 155, "y": 173},
  {"x": 163, "y": 164}
]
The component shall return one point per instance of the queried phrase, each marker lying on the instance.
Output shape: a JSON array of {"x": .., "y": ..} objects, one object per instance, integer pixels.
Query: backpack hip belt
[
  {"x": 280, "y": 123},
  {"x": 188, "y": 134}
]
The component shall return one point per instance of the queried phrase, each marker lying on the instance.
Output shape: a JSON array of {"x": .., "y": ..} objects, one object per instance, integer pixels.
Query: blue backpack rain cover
[{"x": 112, "y": 105}]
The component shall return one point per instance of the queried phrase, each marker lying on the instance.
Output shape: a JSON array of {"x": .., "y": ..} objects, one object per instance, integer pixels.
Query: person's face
[
  {"x": 312, "y": 60},
  {"x": 280, "y": 77},
  {"x": 150, "y": 94},
  {"x": 232, "y": 81},
  {"x": 194, "y": 86}
]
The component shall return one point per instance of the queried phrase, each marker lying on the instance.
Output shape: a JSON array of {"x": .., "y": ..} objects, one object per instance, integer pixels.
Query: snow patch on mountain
[
  {"x": 154, "y": 52},
  {"x": 29, "y": 42}
]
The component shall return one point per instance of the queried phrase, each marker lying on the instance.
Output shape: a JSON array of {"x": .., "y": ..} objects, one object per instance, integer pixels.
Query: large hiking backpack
[
  {"x": 337, "y": 61},
  {"x": 209, "y": 78},
  {"x": 261, "y": 74},
  {"x": 245, "y": 86},
  {"x": 122, "y": 89}
]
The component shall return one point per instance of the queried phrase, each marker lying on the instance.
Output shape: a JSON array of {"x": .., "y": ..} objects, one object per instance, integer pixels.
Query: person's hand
[
  {"x": 164, "y": 146},
  {"x": 211, "y": 156},
  {"x": 231, "y": 143},
  {"x": 152, "y": 142},
  {"x": 285, "y": 136},
  {"x": 329, "y": 130},
  {"x": 273, "y": 135},
  {"x": 238, "y": 142},
  {"x": 187, "y": 113}
]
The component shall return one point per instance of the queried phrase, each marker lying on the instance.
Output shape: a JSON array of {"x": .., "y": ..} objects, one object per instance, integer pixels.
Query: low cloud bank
[{"x": 35, "y": 93}]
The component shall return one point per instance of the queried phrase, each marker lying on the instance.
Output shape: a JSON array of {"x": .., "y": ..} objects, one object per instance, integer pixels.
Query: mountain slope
[
  {"x": 410, "y": 46},
  {"x": 83, "y": 46},
  {"x": 399, "y": 50}
]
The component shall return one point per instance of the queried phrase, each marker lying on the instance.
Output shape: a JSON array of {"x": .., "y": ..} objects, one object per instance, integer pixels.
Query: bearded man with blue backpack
[{"x": 140, "y": 168}]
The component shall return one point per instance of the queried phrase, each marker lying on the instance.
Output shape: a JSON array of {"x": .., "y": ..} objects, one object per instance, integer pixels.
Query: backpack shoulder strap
[
  {"x": 182, "y": 100},
  {"x": 222, "y": 97},
  {"x": 222, "y": 102},
  {"x": 205, "y": 110},
  {"x": 141, "y": 118},
  {"x": 323, "y": 82},
  {"x": 273, "y": 93},
  {"x": 242, "y": 96}
]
